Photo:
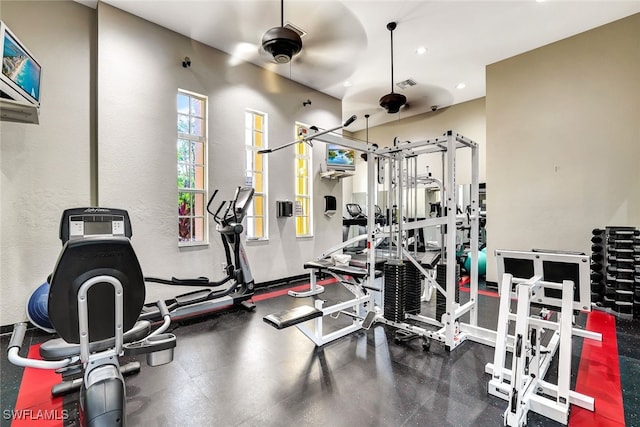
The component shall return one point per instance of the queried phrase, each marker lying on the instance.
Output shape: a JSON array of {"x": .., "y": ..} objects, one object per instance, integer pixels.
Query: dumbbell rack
[{"x": 615, "y": 271}]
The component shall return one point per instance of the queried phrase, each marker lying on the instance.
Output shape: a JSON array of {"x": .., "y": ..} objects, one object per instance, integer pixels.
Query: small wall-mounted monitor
[
  {"x": 21, "y": 72},
  {"x": 340, "y": 158}
]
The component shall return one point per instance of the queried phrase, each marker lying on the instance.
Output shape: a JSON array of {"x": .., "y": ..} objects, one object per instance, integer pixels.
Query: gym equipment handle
[
  {"x": 163, "y": 308},
  {"x": 15, "y": 343},
  {"x": 18, "y": 335},
  {"x": 350, "y": 120},
  {"x": 310, "y": 137},
  {"x": 211, "y": 201}
]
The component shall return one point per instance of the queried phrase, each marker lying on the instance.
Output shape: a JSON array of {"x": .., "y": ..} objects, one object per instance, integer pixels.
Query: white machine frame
[
  {"x": 451, "y": 331},
  {"x": 363, "y": 301},
  {"x": 524, "y": 385},
  {"x": 401, "y": 162}
]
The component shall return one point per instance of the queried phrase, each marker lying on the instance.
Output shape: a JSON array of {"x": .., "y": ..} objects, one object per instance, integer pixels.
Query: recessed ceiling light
[
  {"x": 347, "y": 84},
  {"x": 461, "y": 85},
  {"x": 421, "y": 50}
]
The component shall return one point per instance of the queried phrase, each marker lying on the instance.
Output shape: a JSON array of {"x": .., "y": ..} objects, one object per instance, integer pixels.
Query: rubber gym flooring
[{"x": 232, "y": 369}]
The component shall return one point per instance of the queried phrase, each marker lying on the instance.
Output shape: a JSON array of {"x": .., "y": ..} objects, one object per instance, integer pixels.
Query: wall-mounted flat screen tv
[
  {"x": 340, "y": 158},
  {"x": 21, "y": 72}
]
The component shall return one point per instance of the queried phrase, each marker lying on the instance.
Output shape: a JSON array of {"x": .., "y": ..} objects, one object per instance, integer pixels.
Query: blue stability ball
[
  {"x": 37, "y": 308},
  {"x": 482, "y": 262}
]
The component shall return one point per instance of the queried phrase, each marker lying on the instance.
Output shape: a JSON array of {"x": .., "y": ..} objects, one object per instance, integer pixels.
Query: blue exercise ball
[
  {"x": 482, "y": 262},
  {"x": 38, "y": 308}
]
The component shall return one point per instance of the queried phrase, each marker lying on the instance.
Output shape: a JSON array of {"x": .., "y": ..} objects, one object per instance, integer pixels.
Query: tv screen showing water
[
  {"x": 18, "y": 66},
  {"x": 340, "y": 156}
]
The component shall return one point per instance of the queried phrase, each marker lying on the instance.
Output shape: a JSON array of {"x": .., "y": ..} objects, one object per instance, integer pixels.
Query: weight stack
[
  {"x": 394, "y": 290},
  {"x": 636, "y": 275},
  {"x": 597, "y": 267},
  {"x": 620, "y": 268},
  {"x": 441, "y": 279},
  {"x": 412, "y": 288}
]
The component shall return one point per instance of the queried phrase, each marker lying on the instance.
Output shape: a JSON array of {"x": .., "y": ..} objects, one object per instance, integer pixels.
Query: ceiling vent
[
  {"x": 406, "y": 83},
  {"x": 296, "y": 29}
]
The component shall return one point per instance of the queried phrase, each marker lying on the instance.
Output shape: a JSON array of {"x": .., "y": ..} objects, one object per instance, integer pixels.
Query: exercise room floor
[{"x": 232, "y": 369}]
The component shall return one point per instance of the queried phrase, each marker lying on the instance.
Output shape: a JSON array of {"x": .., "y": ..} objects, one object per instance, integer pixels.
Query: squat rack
[{"x": 452, "y": 331}]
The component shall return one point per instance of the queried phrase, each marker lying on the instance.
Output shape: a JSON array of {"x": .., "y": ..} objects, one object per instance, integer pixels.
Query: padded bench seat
[
  {"x": 323, "y": 263},
  {"x": 58, "y": 349},
  {"x": 293, "y": 316},
  {"x": 356, "y": 267},
  {"x": 356, "y": 272},
  {"x": 430, "y": 260},
  {"x": 361, "y": 261}
]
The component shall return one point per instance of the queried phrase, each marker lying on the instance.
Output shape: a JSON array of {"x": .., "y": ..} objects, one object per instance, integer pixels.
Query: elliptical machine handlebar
[
  {"x": 211, "y": 201},
  {"x": 225, "y": 219},
  {"x": 215, "y": 214}
]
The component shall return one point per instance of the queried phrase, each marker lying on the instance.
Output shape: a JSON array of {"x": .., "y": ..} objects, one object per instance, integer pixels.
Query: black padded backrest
[{"x": 81, "y": 260}]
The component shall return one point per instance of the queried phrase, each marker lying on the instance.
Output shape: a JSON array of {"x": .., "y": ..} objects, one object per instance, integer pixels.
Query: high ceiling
[{"x": 347, "y": 41}]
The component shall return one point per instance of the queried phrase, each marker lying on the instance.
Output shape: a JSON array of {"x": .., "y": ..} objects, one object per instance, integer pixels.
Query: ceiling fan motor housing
[
  {"x": 392, "y": 102},
  {"x": 282, "y": 43}
]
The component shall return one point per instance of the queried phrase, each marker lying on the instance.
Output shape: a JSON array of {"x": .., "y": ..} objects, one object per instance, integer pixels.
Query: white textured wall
[
  {"x": 45, "y": 167},
  {"x": 139, "y": 73},
  {"x": 564, "y": 141}
]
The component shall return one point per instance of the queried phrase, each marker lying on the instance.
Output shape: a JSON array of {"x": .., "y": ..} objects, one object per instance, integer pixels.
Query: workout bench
[{"x": 360, "y": 308}]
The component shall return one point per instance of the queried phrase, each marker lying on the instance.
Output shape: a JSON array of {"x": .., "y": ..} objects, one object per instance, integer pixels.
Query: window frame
[
  {"x": 307, "y": 157},
  {"x": 251, "y": 151},
  {"x": 194, "y": 190}
]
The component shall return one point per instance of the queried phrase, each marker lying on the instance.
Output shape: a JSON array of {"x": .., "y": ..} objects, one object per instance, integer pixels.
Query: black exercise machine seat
[
  {"x": 293, "y": 316},
  {"x": 430, "y": 260},
  {"x": 81, "y": 260},
  {"x": 354, "y": 269}
]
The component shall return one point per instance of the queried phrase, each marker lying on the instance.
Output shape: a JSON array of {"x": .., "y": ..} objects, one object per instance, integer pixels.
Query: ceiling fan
[
  {"x": 392, "y": 102},
  {"x": 281, "y": 42},
  {"x": 316, "y": 43}
]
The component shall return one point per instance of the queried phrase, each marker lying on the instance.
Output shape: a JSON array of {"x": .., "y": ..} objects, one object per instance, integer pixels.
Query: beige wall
[
  {"x": 46, "y": 167},
  {"x": 563, "y": 132}
]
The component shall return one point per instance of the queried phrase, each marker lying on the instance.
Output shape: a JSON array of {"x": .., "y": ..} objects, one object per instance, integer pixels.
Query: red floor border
[
  {"x": 34, "y": 404},
  {"x": 599, "y": 376}
]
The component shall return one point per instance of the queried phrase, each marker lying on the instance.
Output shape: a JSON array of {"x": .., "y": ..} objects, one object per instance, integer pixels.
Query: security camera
[{"x": 434, "y": 107}]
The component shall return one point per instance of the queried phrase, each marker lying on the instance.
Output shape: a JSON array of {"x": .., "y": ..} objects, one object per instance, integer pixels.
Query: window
[
  {"x": 192, "y": 168},
  {"x": 256, "y": 173},
  {"x": 303, "y": 207}
]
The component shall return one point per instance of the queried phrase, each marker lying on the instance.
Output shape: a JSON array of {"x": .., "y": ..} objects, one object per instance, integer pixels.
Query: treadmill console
[{"x": 78, "y": 223}]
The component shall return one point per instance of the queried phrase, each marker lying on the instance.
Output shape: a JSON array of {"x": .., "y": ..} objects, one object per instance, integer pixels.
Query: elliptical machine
[{"x": 239, "y": 281}]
